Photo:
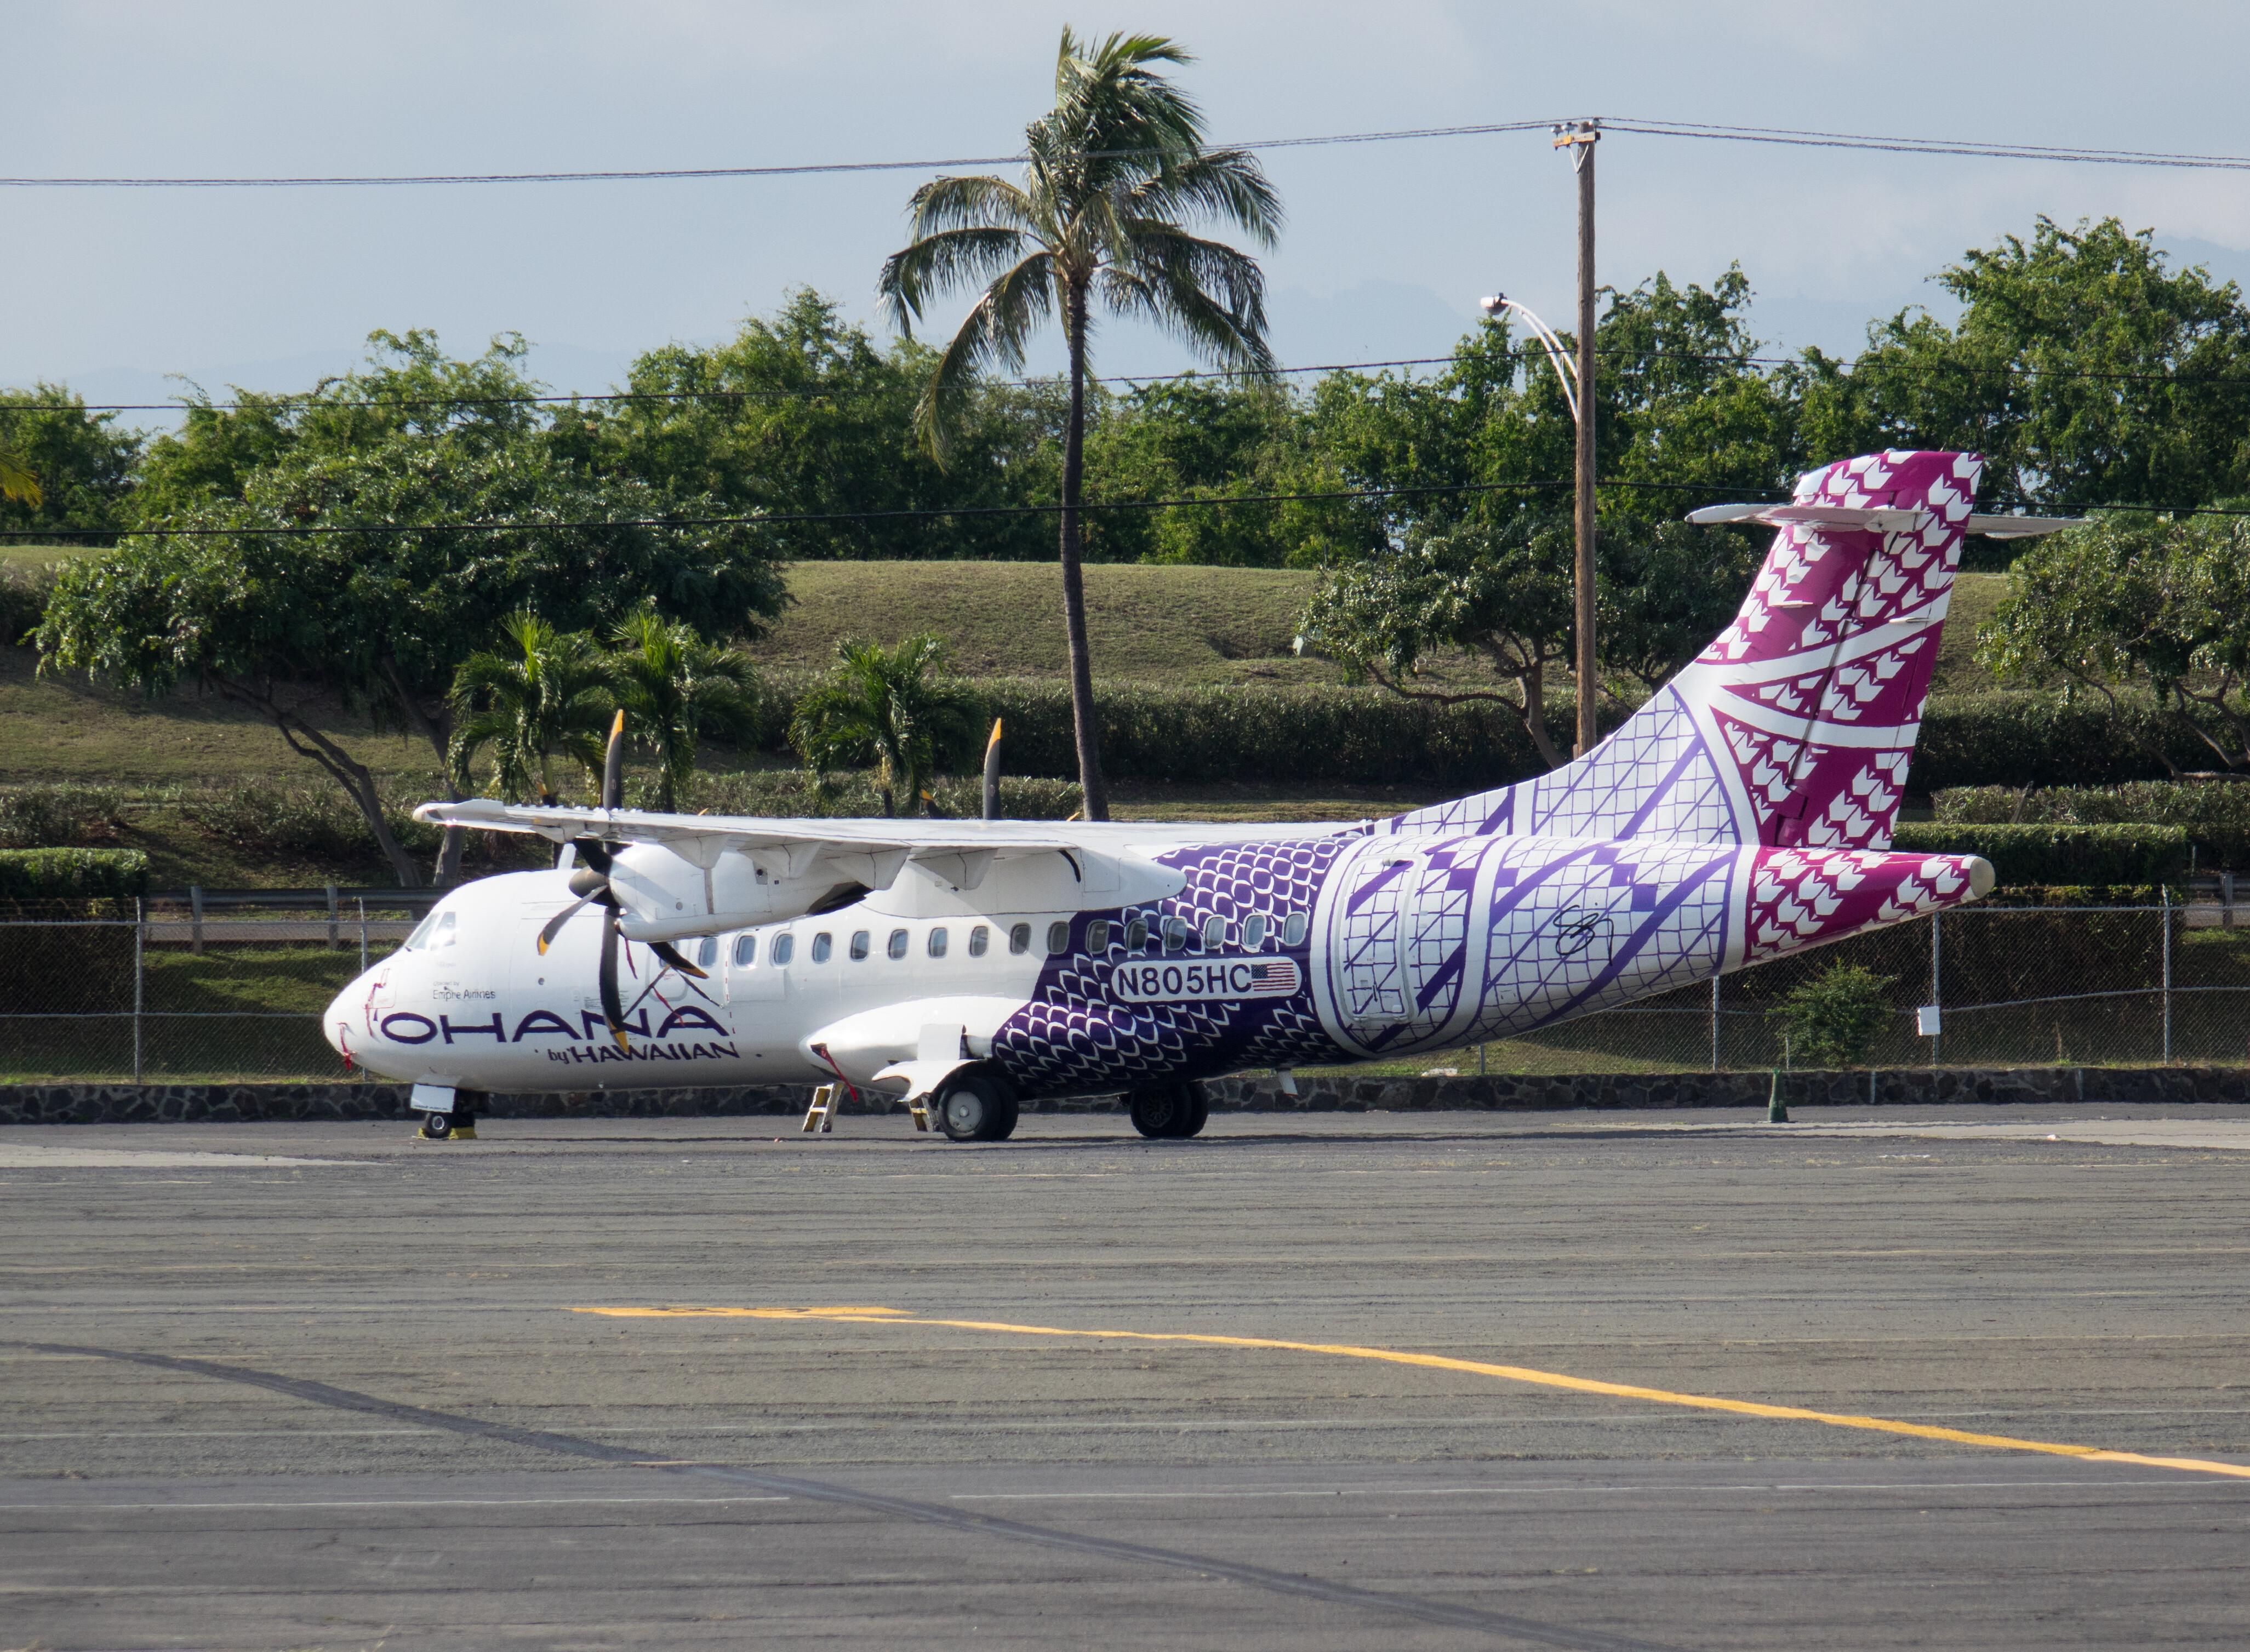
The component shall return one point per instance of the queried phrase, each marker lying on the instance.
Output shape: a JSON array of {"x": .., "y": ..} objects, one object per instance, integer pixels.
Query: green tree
[
  {"x": 2084, "y": 367},
  {"x": 1834, "y": 1019},
  {"x": 384, "y": 526},
  {"x": 800, "y": 416},
  {"x": 63, "y": 471},
  {"x": 895, "y": 711},
  {"x": 1118, "y": 174},
  {"x": 548, "y": 695},
  {"x": 2163, "y": 602},
  {"x": 1222, "y": 441},
  {"x": 1503, "y": 596},
  {"x": 675, "y": 688}
]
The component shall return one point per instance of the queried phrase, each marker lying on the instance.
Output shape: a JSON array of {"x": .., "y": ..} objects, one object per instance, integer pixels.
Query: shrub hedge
[
  {"x": 1369, "y": 736},
  {"x": 2043, "y": 854},
  {"x": 73, "y": 874}
]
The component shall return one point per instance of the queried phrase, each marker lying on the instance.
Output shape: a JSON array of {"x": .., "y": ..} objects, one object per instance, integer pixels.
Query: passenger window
[
  {"x": 1019, "y": 939},
  {"x": 707, "y": 954},
  {"x": 822, "y": 946},
  {"x": 1137, "y": 935},
  {"x": 980, "y": 938},
  {"x": 746, "y": 950},
  {"x": 1293, "y": 930},
  {"x": 1176, "y": 934},
  {"x": 1214, "y": 932},
  {"x": 1254, "y": 931},
  {"x": 898, "y": 944},
  {"x": 1097, "y": 936},
  {"x": 937, "y": 942},
  {"x": 784, "y": 948},
  {"x": 1058, "y": 939},
  {"x": 858, "y": 944}
]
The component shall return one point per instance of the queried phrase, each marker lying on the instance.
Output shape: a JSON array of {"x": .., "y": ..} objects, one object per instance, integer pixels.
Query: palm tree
[
  {"x": 894, "y": 710},
  {"x": 17, "y": 480},
  {"x": 548, "y": 695},
  {"x": 1118, "y": 172},
  {"x": 674, "y": 687}
]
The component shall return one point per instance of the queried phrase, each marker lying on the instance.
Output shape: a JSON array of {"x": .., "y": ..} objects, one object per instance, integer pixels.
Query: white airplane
[{"x": 1743, "y": 813}]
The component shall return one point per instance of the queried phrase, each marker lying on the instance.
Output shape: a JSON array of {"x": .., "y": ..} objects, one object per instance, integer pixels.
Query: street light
[{"x": 1566, "y": 374}]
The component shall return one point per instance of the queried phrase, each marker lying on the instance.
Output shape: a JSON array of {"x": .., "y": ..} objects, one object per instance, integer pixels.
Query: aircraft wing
[{"x": 919, "y": 838}]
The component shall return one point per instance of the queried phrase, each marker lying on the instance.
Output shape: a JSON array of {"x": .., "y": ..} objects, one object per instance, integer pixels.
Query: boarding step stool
[{"x": 820, "y": 1118}]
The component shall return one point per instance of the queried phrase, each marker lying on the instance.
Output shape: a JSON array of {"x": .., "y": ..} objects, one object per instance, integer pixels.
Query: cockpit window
[{"x": 433, "y": 932}]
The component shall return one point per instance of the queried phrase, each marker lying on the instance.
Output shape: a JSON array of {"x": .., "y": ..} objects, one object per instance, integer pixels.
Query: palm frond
[
  {"x": 969, "y": 203},
  {"x": 1228, "y": 185},
  {"x": 942, "y": 263},
  {"x": 992, "y": 335},
  {"x": 1204, "y": 293},
  {"x": 17, "y": 481}
]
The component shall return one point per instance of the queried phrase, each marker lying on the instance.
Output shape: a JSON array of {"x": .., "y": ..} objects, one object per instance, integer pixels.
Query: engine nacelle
[{"x": 700, "y": 886}]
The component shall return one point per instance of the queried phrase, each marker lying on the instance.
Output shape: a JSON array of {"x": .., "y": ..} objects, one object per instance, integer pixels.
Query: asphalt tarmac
[{"x": 1565, "y": 1379}]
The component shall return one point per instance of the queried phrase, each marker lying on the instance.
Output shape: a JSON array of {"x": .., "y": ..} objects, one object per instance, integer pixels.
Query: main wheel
[
  {"x": 1159, "y": 1111},
  {"x": 436, "y": 1126},
  {"x": 977, "y": 1106},
  {"x": 1194, "y": 1115}
]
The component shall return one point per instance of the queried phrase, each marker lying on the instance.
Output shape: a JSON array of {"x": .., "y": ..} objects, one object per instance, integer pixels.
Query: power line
[
  {"x": 687, "y": 174},
  {"x": 1971, "y": 147},
  {"x": 1639, "y": 125},
  {"x": 288, "y": 400},
  {"x": 1214, "y": 501},
  {"x": 1221, "y": 501}
]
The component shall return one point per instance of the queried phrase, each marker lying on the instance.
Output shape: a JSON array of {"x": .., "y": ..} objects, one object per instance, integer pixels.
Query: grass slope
[{"x": 1168, "y": 625}]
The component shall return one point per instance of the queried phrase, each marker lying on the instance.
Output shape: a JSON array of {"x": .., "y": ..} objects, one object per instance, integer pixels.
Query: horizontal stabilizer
[{"x": 1880, "y": 519}]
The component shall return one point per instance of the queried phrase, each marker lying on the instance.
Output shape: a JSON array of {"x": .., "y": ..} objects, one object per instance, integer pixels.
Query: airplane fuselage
[{"x": 1346, "y": 946}]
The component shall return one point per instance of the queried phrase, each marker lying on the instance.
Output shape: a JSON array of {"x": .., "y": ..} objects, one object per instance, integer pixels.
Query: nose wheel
[
  {"x": 1169, "y": 1112},
  {"x": 459, "y": 1124}
]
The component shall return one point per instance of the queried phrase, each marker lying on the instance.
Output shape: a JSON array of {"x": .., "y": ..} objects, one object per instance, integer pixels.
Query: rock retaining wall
[{"x": 1957, "y": 1086}]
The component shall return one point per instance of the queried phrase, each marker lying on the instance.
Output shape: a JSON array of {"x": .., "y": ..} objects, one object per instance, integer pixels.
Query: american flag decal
[{"x": 1172, "y": 981}]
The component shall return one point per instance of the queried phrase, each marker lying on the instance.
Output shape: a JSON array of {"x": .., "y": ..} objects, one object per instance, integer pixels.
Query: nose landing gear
[{"x": 455, "y": 1120}]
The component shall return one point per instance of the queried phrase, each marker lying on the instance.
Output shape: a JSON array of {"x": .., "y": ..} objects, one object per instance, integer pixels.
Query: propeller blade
[
  {"x": 613, "y": 766},
  {"x": 678, "y": 960},
  {"x": 595, "y": 853},
  {"x": 613, "y": 1010},
  {"x": 554, "y": 924}
]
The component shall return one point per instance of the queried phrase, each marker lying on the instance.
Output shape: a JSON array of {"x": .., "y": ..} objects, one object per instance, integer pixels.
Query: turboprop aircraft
[{"x": 1743, "y": 813}]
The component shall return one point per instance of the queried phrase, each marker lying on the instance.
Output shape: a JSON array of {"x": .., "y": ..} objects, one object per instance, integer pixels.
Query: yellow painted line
[{"x": 1473, "y": 1367}]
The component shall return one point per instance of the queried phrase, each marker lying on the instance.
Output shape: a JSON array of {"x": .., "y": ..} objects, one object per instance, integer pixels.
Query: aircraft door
[{"x": 753, "y": 973}]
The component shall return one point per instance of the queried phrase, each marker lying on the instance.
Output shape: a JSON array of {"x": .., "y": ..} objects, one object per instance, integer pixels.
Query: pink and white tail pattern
[{"x": 1794, "y": 729}]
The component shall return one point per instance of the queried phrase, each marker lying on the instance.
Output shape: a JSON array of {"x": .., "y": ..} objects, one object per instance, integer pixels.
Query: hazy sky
[{"x": 1387, "y": 246}]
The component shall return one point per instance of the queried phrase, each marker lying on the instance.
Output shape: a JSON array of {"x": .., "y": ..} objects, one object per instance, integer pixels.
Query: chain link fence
[
  {"x": 231, "y": 988},
  {"x": 205, "y": 987},
  {"x": 2012, "y": 986}
]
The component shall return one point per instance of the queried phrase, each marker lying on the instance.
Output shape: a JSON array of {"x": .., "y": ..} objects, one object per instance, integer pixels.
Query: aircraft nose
[{"x": 339, "y": 1020}]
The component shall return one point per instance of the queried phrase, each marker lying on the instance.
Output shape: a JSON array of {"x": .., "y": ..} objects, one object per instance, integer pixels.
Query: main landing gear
[
  {"x": 1169, "y": 1112},
  {"x": 978, "y": 1104}
]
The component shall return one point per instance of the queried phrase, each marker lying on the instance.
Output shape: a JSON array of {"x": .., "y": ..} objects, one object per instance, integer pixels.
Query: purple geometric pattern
[
  {"x": 1074, "y": 1036},
  {"x": 1451, "y": 940},
  {"x": 1741, "y": 814}
]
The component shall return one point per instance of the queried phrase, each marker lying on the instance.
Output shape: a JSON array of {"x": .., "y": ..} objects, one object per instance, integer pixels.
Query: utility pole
[{"x": 1580, "y": 139}]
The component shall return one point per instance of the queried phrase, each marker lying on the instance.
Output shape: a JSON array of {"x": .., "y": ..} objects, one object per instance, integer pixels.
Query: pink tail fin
[{"x": 1795, "y": 726}]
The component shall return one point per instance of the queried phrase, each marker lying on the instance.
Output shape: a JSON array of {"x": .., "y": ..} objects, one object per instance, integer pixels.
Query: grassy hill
[{"x": 1154, "y": 624}]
